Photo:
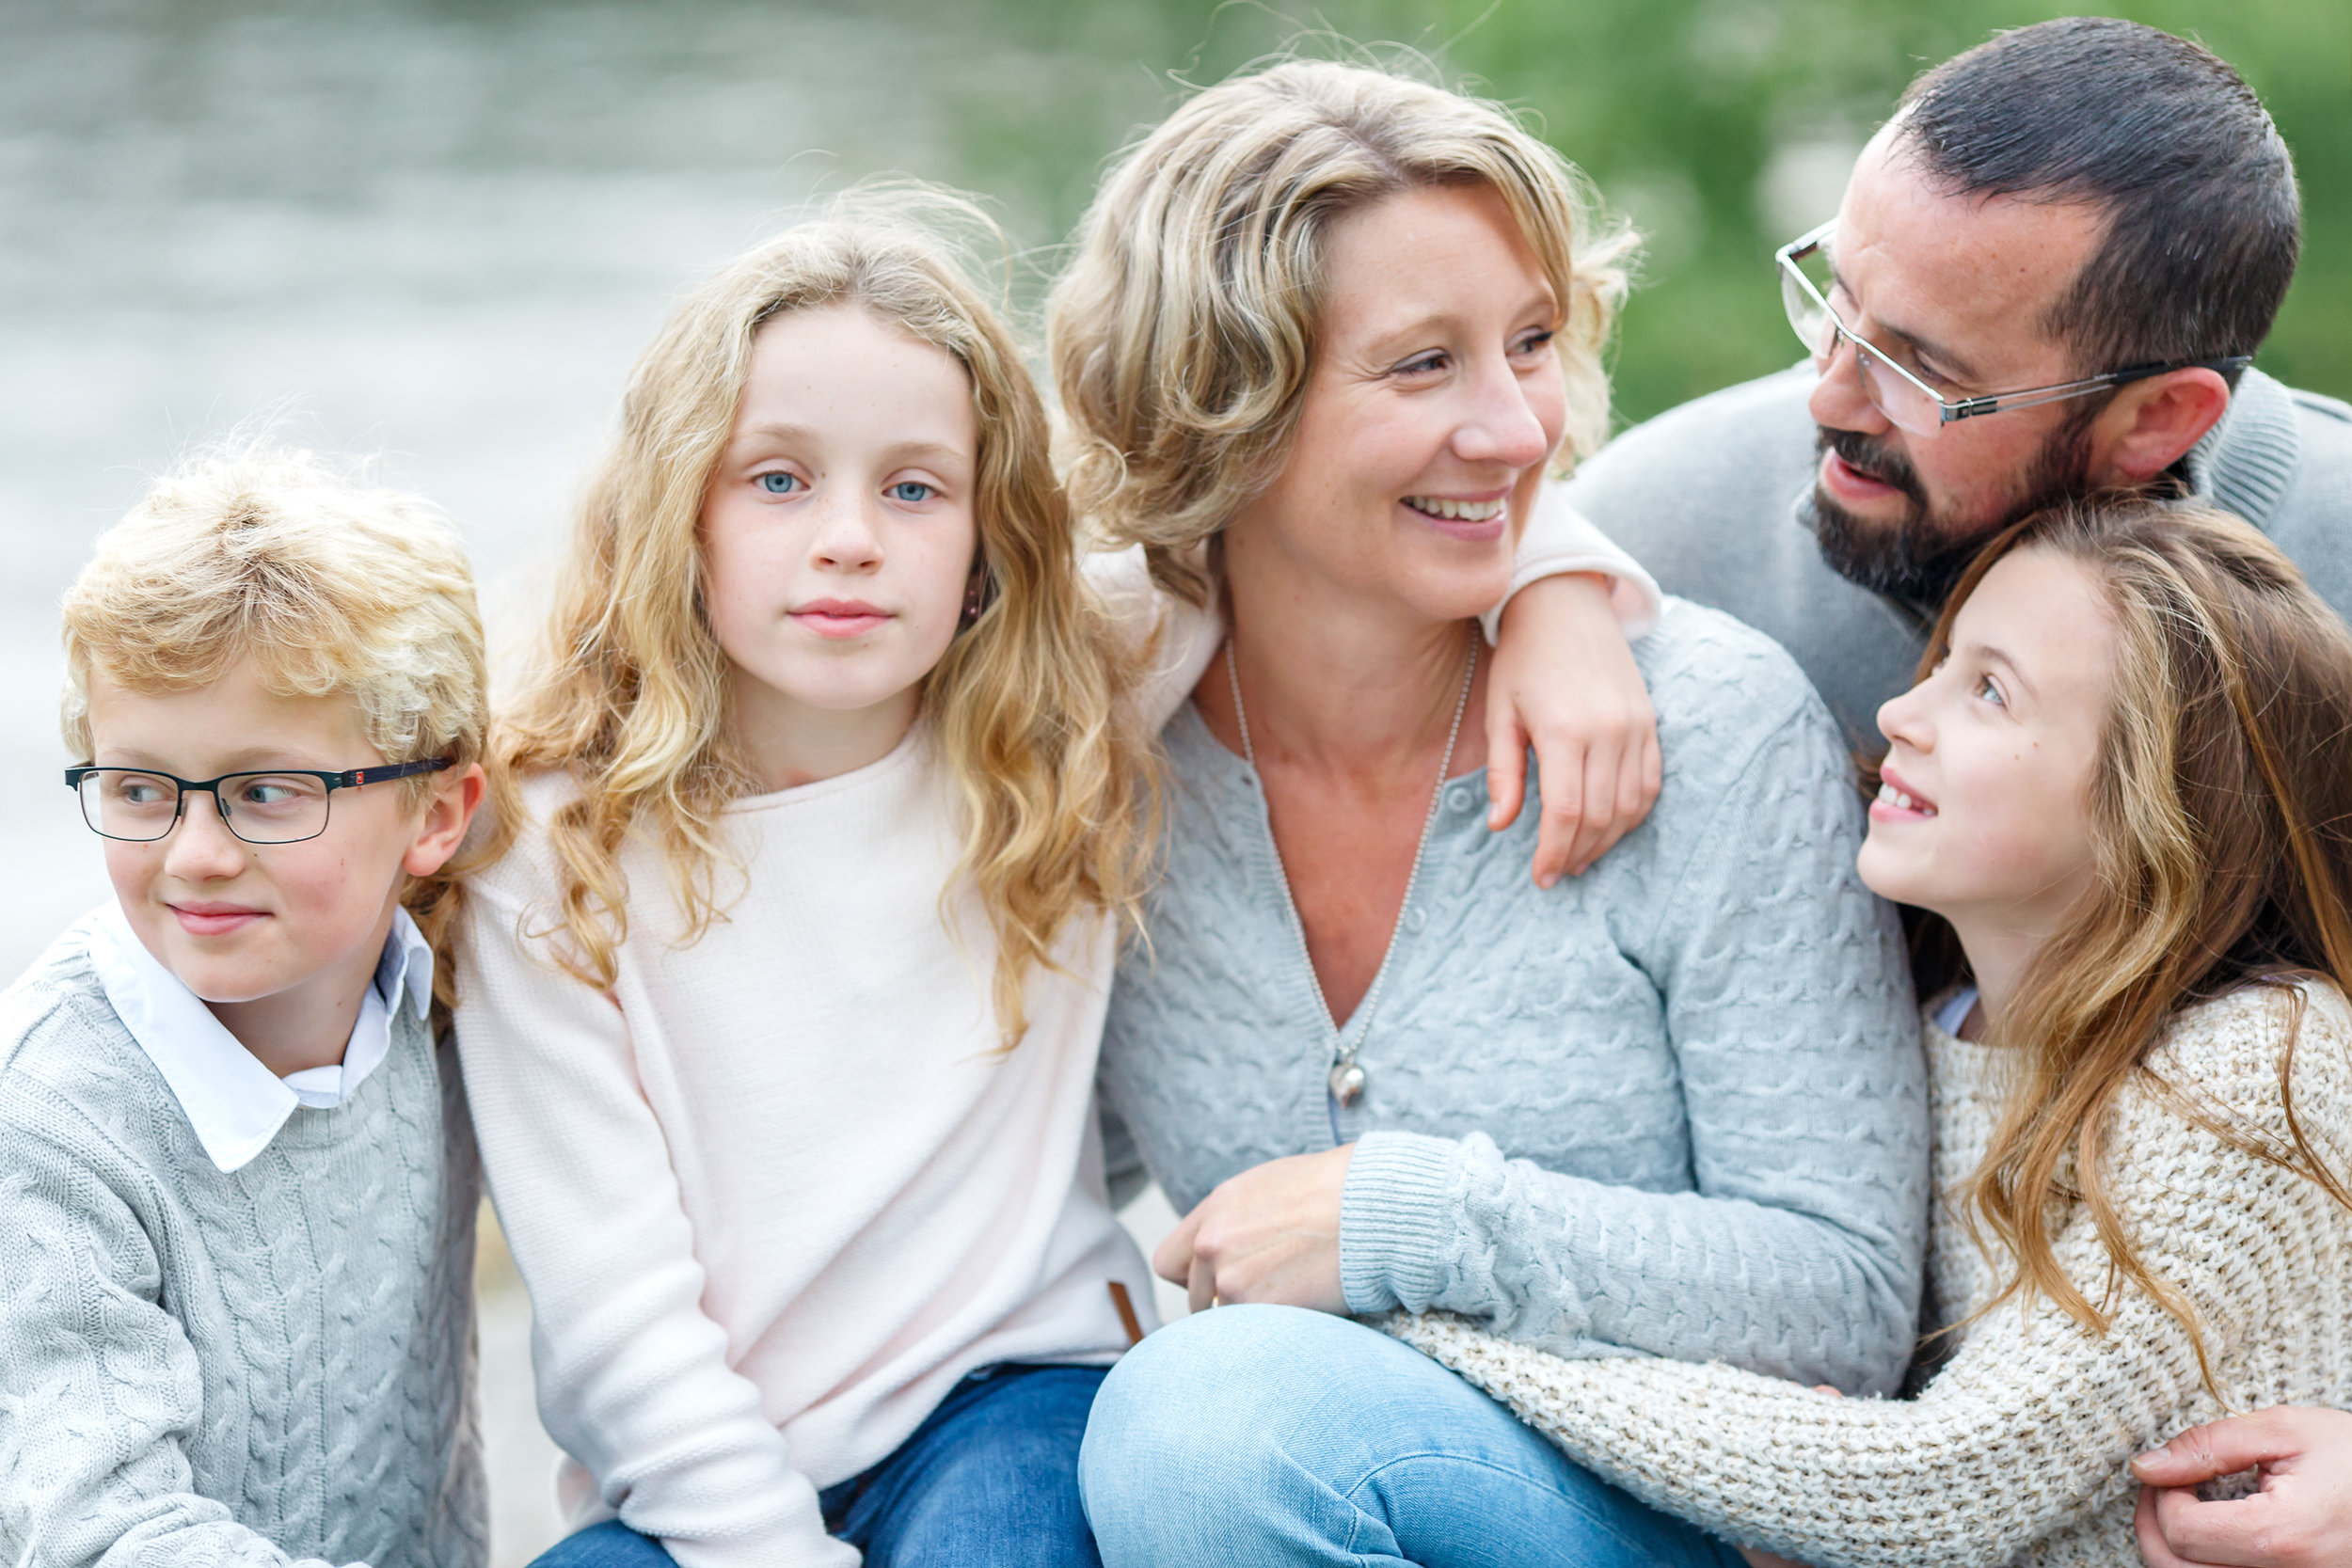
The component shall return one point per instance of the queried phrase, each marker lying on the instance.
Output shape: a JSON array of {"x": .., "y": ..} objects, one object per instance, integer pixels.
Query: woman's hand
[
  {"x": 1270, "y": 1234},
  {"x": 2301, "y": 1519},
  {"x": 1564, "y": 682}
]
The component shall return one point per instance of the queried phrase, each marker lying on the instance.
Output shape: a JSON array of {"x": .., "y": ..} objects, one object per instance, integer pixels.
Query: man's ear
[
  {"x": 2151, "y": 424},
  {"x": 447, "y": 813}
]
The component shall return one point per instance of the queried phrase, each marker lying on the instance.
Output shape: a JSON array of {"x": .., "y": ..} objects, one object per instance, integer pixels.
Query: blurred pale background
[{"x": 439, "y": 231}]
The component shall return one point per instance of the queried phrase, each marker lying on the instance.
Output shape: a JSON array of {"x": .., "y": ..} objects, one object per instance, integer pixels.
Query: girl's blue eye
[
  {"x": 1423, "y": 365},
  {"x": 1990, "y": 691},
  {"x": 780, "y": 484},
  {"x": 913, "y": 492}
]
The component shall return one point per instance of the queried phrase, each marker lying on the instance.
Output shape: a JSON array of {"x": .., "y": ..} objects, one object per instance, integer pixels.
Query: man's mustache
[{"x": 1866, "y": 457}]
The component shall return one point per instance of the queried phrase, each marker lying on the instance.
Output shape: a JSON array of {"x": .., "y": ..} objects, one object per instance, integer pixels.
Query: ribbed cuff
[{"x": 1392, "y": 1221}]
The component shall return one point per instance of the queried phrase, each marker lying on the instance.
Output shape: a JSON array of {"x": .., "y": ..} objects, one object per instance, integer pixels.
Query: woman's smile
[{"x": 1480, "y": 519}]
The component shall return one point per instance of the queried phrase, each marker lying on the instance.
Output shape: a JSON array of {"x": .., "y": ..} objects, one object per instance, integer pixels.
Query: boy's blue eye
[
  {"x": 911, "y": 491},
  {"x": 779, "y": 483}
]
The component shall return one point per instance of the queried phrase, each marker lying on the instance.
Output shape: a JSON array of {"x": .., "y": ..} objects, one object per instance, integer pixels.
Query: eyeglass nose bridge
[{"x": 220, "y": 810}]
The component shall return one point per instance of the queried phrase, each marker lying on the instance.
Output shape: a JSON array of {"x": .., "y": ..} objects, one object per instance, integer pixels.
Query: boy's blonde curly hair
[{"x": 330, "y": 587}]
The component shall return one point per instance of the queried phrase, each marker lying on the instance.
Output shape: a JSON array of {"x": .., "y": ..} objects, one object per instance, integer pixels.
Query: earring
[{"x": 972, "y": 598}]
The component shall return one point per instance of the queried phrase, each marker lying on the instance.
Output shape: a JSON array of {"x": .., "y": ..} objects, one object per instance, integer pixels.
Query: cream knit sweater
[{"x": 2016, "y": 1451}]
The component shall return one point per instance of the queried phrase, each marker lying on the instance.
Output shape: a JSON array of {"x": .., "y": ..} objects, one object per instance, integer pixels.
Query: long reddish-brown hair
[{"x": 2221, "y": 810}]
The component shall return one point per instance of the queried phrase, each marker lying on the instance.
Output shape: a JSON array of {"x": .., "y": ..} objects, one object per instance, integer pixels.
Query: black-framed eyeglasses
[
  {"x": 280, "y": 805},
  {"x": 1908, "y": 402}
]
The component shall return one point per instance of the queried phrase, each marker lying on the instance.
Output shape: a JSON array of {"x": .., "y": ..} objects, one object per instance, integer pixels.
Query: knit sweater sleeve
[
  {"x": 2028, "y": 1430},
  {"x": 100, "y": 1390},
  {"x": 1797, "y": 1251},
  {"x": 633, "y": 1376}
]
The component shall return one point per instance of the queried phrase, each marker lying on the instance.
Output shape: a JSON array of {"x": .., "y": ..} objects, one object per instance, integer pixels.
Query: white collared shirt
[{"x": 235, "y": 1105}]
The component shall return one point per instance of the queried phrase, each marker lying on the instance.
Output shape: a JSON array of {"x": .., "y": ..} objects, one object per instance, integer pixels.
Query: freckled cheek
[
  {"x": 1381, "y": 454},
  {"x": 746, "y": 566},
  {"x": 133, "y": 868},
  {"x": 331, "y": 895}
]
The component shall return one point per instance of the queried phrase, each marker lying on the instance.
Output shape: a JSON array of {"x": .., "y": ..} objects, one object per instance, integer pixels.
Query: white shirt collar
[{"x": 235, "y": 1104}]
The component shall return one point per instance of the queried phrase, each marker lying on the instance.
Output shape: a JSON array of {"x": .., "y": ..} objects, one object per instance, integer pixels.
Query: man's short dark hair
[{"x": 2203, "y": 222}]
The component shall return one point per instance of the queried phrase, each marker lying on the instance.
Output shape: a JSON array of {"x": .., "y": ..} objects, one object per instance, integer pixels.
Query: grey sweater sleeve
[
  {"x": 100, "y": 1390},
  {"x": 1798, "y": 1251}
]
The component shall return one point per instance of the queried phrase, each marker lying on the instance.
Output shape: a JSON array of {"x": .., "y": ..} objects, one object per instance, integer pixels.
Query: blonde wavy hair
[
  {"x": 1029, "y": 703},
  {"x": 2221, "y": 819},
  {"x": 330, "y": 586},
  {"x": 1183, "y": 330}
]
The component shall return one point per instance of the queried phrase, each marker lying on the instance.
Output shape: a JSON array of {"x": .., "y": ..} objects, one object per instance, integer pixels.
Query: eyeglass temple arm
[
  {"x": 2034, "y": 397},
  {"x": 354, "y": 778}
]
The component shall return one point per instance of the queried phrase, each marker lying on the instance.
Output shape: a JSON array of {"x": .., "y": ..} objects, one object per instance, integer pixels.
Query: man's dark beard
[{"x": 1919, "y": 557}]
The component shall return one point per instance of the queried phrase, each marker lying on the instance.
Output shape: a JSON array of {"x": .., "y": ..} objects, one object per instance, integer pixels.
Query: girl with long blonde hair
[
  {"x": 2121, "y": 785},
  {"x": 827, "y": 793}
]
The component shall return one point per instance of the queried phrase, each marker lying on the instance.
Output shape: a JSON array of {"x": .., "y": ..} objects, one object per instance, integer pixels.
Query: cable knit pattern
[
  {"x": 1674, "y": 1106},
  {"x": 200, "y": 1367},
  {"x": 2015, "y": 1453}
]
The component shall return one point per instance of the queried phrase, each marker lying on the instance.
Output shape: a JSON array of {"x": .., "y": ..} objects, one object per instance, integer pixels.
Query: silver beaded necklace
[{"x": 1347, "y": 1078}]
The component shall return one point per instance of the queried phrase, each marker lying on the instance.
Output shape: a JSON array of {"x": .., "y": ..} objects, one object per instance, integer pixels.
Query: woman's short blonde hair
[
  {"x": 330, "y": 586},
  {"x": 1185, "y": 329}
]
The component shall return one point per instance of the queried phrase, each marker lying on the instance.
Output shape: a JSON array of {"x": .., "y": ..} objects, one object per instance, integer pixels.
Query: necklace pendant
[{"x": 1347, "y": 1082}]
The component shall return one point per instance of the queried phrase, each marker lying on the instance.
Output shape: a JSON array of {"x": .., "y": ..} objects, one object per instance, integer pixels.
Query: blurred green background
[{"x": 1721, "y": 127}]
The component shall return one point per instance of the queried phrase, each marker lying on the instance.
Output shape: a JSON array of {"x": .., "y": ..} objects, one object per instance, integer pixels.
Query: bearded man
[{"x": 2049, "y": 276}]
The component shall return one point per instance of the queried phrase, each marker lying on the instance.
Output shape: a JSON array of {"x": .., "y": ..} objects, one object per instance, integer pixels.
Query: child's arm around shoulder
[
  {"x": 99, "y": 1389},
  {"x": 581, "y": 1170},
  {"x": 1564, "y": 684},
  {"x": 1563, "y": 680}
]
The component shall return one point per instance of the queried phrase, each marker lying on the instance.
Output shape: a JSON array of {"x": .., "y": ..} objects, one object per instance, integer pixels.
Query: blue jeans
[
  {"x": 1275, "y": 1435},
  {"x": 990, "y": 1478}
]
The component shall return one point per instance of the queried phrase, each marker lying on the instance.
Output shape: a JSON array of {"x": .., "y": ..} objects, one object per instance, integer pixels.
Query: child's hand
[{"x": 1564, "y": 682}]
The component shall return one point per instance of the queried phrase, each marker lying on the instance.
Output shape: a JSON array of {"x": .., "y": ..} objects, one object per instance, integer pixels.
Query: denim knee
[
  {"x": 1202, "y": 1399},
  {"x": 610, "y": 1544}
]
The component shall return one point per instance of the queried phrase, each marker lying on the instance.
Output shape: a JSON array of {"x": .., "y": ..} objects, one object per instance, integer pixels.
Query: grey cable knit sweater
[
  {"x": 1675, "y": 1105},
  {"x": 202, "y": 1369},
  {"x": 1716, "y": 499}
]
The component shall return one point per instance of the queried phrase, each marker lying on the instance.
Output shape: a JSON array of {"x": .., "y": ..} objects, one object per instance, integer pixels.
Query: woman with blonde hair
[
  {"x": 1323, "y": 334},
  {"x": 2122, "y": 784},
  {"x": 782, "y": 1011}
]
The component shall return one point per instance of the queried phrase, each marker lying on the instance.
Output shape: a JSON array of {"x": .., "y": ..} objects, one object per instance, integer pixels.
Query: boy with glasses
[
  {"x": 2048, "y": 277},
  {"x": 236, "y": 1217}
]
